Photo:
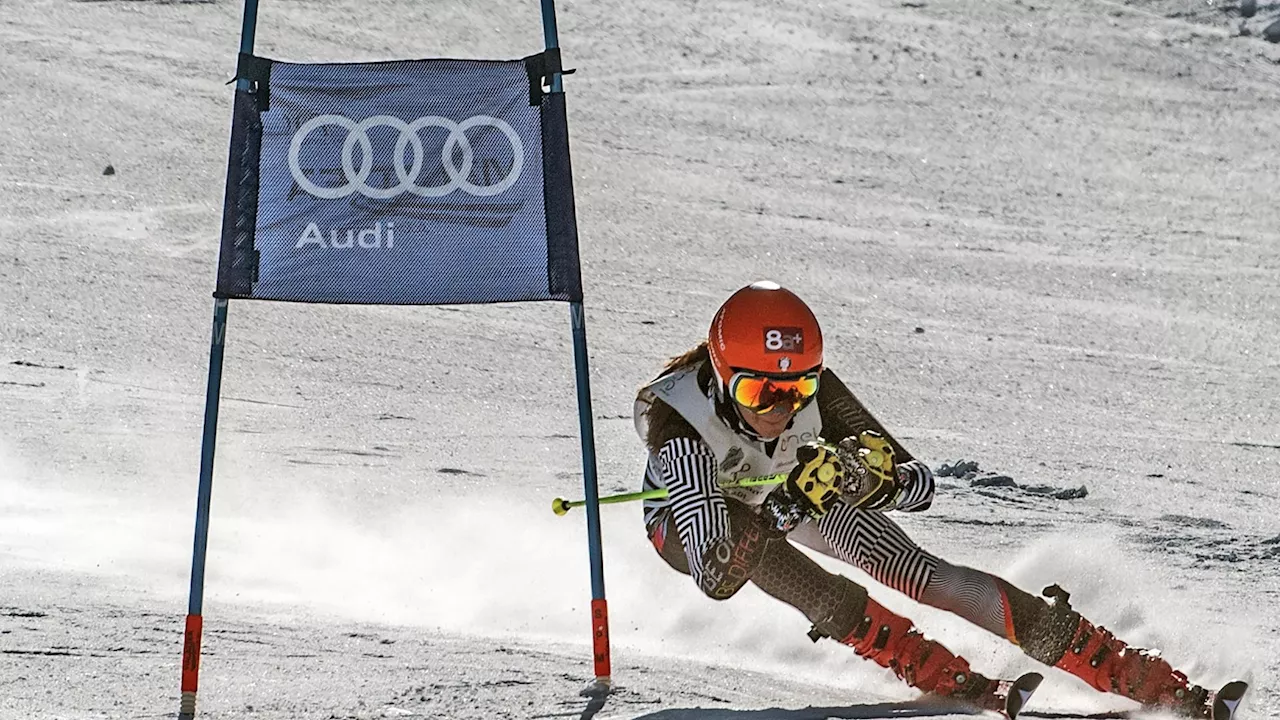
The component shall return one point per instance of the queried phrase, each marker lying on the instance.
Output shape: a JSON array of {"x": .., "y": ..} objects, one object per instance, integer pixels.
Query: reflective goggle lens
[{"x": 762, "y": 394}]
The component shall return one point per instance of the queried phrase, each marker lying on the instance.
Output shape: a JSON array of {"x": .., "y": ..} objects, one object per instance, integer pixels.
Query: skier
[{"x": 755, "y": 399}]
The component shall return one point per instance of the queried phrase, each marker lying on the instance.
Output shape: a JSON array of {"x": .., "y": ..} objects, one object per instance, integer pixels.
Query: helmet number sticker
[{"x": 783, "y": 340}]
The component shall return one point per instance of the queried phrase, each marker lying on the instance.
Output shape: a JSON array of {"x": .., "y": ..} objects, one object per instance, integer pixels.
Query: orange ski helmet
[{"x": 764, "y": 328}]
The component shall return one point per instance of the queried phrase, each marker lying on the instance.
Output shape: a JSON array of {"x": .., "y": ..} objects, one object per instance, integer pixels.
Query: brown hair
[
  {"x": 664, "y": 422},
  {"x": 698, "y": 353}
]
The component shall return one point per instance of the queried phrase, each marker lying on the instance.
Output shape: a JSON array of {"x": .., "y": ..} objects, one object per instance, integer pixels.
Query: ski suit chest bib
[{"x": 737, "y": 456}]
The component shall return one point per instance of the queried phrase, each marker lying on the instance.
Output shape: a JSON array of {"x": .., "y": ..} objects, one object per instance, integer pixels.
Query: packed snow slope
[{"x": 1041, "y": 236}]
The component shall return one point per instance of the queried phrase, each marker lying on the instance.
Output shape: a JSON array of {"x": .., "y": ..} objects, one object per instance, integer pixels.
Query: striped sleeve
[
  {"x": 688, "y": 470},
  {"x": 916, "y": 480}
]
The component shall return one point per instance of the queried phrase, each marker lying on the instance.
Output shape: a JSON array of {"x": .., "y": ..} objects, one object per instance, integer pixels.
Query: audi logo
[{"x": 357, "y": 177}]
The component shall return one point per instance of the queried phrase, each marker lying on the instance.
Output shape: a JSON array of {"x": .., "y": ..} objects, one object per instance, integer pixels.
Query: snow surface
[{"x": 1042, "y": 236}]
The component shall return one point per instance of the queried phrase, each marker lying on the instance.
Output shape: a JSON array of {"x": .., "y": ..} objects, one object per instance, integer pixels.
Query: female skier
[{"x": 755, "y": 399}]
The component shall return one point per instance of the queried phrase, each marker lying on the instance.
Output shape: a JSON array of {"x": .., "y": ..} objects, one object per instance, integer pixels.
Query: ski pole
[{"x": 560, "y": 506}]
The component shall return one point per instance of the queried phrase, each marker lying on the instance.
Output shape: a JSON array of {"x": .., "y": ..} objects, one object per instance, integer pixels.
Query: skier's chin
[{"x": 768, "y": 426}]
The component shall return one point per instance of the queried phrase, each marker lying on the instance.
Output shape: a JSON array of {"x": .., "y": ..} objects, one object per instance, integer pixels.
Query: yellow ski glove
[
  {"x": 872, "y": 471},
  {"x": 812, "y": 487}
]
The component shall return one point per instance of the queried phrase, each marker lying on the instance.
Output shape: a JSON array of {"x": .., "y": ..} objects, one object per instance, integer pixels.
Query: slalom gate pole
[
  {"x": 195, "y": 602},
  {"x": 213, "y": 391},
  {"x": 599, "y": 605}
]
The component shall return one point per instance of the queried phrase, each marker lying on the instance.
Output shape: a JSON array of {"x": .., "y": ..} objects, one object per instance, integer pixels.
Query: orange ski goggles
[{"x": 763, "y": 394}]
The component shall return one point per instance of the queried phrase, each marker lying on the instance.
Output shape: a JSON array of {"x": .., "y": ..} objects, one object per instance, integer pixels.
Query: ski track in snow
[{"x": 1040, "y": 238}]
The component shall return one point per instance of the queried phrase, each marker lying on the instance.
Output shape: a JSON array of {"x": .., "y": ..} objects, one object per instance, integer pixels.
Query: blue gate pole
[
  {"x": 599, "y": 606},
  {"x": 213, "y": 390}
]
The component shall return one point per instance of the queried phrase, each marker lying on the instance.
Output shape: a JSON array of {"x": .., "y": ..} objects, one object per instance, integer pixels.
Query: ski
[
  {"x": 1018, "y": 692},
  {"x": 1006, "y": 697},
  {"x": 1227, "y": 699},
  {"x": 1220, "y": 705}
]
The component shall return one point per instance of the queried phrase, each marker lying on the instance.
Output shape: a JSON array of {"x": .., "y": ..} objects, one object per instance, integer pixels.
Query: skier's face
[{"x": 769, "y": 425}]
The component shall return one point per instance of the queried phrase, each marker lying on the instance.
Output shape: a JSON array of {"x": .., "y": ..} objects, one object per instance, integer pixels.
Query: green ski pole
[{"x": 560, "y": 506}]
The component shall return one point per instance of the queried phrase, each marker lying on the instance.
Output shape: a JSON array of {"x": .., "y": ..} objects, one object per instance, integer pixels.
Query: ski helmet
[{"x": 765, "y": 329}]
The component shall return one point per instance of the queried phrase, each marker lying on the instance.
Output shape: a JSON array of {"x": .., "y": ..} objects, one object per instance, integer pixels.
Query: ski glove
[
  {"x": 812, "y": 487},
  {"x": 872, "y": 477}
]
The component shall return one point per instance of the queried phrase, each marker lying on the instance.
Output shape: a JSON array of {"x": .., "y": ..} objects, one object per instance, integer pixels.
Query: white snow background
[{"x": 1040, "y": 236}]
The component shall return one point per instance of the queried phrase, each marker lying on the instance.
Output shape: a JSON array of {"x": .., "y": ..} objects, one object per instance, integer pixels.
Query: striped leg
[
  {"x": 840, "y": 609},
  {"x": 875, "y": 544},
  {"x": 1051, "y": 633}
]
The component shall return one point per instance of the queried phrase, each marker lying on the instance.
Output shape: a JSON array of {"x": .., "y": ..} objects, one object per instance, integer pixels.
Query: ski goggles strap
[{"x": 764, "y": 393}]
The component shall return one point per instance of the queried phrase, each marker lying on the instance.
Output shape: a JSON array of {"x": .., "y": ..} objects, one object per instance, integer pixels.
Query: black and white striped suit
[{"x": 697, "y": 510}]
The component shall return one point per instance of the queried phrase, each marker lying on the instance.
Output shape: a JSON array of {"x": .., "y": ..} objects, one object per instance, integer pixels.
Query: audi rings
[{"x": 357, "y": 134}]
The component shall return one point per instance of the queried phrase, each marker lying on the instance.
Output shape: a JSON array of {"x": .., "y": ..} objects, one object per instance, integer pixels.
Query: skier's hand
[
  {"x": 872, "y": 476},
  {"x": 781, "y": 511},
  {"x": 810, "y": 490}
]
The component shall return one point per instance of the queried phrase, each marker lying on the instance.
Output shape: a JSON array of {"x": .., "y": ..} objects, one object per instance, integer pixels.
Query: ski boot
[
  {"x": 1098, "y": 657},
  {"x": 892, "y": 641}
]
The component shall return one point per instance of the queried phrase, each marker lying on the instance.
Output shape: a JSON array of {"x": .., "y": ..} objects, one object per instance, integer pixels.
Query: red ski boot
[
  {"x": 1107, "y": 663},
  {"x": 1099, "y": 658},
  {"x": 892, "y": 641}
]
